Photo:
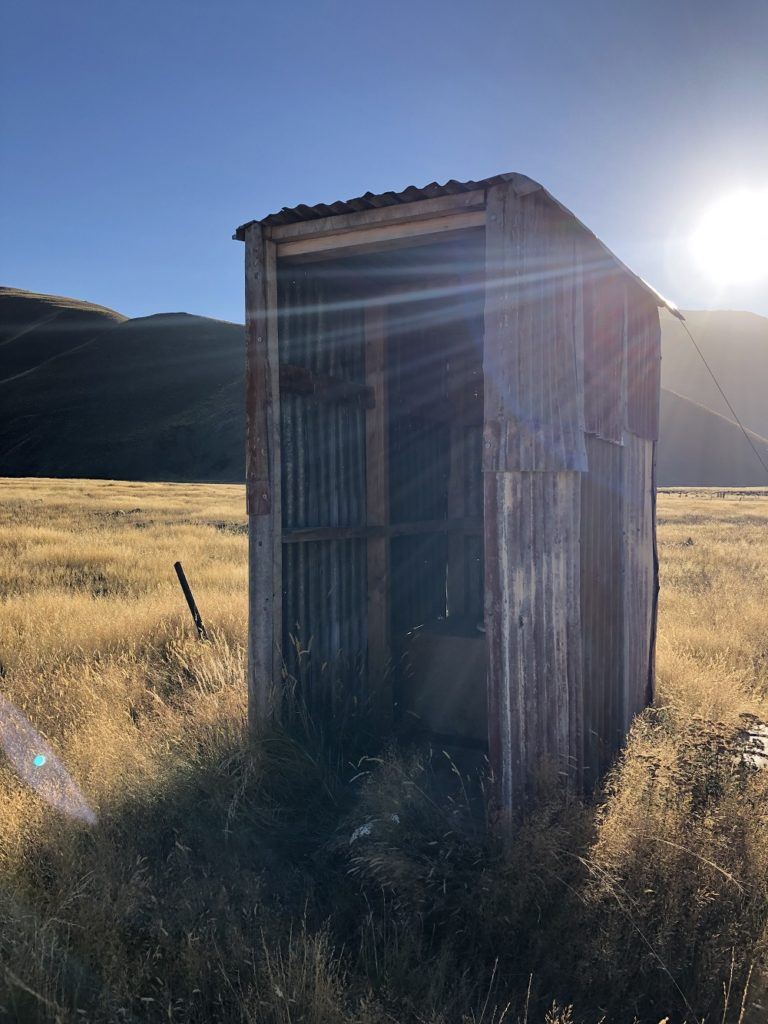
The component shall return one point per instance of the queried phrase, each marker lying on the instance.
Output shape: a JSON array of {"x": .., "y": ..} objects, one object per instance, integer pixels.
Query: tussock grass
[{"x": 309, "y": 879}]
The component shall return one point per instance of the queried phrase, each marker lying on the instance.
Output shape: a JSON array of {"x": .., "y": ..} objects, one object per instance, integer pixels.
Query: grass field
[{"x": 180, "y": 876}]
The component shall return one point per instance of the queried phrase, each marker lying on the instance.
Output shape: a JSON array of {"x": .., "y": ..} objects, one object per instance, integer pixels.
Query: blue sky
[{"x": 135, "y": 136}]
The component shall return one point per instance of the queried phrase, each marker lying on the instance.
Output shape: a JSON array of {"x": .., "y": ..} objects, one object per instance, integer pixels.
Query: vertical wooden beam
[
  {"x": 377, "y": 512},
  {"x": 262, "y": 476}
]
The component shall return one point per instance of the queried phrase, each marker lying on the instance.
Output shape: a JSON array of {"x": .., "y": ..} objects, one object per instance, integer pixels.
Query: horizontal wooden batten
[
  {"x": 396, "y": 214},
  {"x": 368, "y": 238},
  {"x": 300, "y": 381},
  {"x": 470, "y": 525}
]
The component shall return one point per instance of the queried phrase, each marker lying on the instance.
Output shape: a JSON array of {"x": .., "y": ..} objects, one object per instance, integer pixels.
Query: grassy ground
[{"x": 190, "y": 879}]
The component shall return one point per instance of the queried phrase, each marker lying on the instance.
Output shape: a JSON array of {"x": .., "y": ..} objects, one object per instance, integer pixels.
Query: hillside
[
  {"x": 35, "y": 329},
  {"x": 735, "y": 344},
  {"x": 154, "y": 398},
  {"x": 86, "y": 392},
  {"x": 700, "y": 447}
]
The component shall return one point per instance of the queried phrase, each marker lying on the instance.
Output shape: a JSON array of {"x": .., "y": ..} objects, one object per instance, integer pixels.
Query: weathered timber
[
  {"x": 465, "y": 526},
  {"x": 369, "y": 239},
  {"x": 299, "y": 380},
  {"x": 262, "y": 476},
  {"x": 386, "y": 215},
  {"x": 191, "y": 603}
]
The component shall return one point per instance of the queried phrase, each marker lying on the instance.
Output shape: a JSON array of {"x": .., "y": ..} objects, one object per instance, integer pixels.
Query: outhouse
[{"x": 452, "y": 415}]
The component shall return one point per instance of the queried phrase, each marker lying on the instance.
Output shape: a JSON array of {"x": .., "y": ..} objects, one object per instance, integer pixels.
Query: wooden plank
[
  {"x": 301, "y": 381},
  {"x": 262, "y": 477},
  {"x": 377, "y": 513},
  {"x": 417, "y": 210},
  {"x": 466, "y": 526},
  {"x": 369, "y": 238},
  {"x": 376, "y": 249}
]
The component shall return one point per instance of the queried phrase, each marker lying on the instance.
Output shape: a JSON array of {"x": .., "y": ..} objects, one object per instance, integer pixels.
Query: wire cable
[{"x": 733, "y": 412}]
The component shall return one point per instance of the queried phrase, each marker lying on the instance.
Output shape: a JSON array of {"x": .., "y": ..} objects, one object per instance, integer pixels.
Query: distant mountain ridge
[{"x": 87, "y": 392}]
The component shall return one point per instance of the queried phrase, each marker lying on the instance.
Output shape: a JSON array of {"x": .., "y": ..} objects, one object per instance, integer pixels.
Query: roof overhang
[{"x": 394, "y": 218}]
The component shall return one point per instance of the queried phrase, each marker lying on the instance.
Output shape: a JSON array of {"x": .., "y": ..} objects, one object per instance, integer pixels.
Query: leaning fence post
[{"x": 201, "y": 630}]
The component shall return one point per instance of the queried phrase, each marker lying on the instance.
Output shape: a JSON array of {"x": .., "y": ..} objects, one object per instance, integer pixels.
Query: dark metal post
[{"x": 201, "y": 631}]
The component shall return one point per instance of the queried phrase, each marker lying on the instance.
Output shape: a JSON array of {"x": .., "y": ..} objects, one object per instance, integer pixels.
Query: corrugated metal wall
[
  {"x": 643, "y": 366},
  {"x": 639, "y": 574},
  {"x": 534, "y": 456},
  {"x": 571, "y": 365},
  {"x": 604, "y": 344},
  {"x": 435, "y": 388},
  {"x": 323, "y": 485},
  {"x": 419, "y": 460},
  {"x": 619, "y": 579},
  {"x": 570, "y": 379},
  {"x": 534, "y": 390},
  {"x": 434, "y": 341},
  {"x": 533, "y": 627},
  {"x": 602, "y": 605}
]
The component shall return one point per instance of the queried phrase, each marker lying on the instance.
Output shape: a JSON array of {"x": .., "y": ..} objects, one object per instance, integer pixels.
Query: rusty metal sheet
[
  {"x": 603, "y": 316},
  {"x": 643, "y": 366},
  {"x": 323, "y": 485},
  {"x": 639, "y": 575},
  {"x": 532, "y": 620},
  {"x": 533, "y": 357},
  {"x": 602, "y": 603}
]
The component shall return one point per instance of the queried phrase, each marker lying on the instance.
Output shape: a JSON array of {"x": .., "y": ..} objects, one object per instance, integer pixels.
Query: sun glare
[{"x": 731, "y": 241}]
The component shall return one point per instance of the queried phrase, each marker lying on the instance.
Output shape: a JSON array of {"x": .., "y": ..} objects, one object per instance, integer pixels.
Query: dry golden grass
[{"x": 219, "y": 884}]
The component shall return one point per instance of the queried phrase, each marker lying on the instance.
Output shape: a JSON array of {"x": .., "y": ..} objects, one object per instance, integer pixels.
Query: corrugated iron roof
[
  {"x": 522, "y": 184},
  {"x": 372, "y": 201}
]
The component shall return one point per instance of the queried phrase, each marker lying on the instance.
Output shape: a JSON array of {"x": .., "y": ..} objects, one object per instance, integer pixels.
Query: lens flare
[
  {"x": 38, "y": 766},
  {"x": 731, "y": 242}
]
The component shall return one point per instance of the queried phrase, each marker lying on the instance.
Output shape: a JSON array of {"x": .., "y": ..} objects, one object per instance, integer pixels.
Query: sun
[{"x": 731, "y": 242}]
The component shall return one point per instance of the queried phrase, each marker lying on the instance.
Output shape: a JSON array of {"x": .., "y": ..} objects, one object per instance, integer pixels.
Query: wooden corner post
[{"x": 262, "y": 403}]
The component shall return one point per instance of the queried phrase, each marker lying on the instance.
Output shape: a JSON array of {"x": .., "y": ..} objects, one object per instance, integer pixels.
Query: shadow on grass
[
  {"x": 296, "y": 880},
  {"x": 329, "y": 881}
]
